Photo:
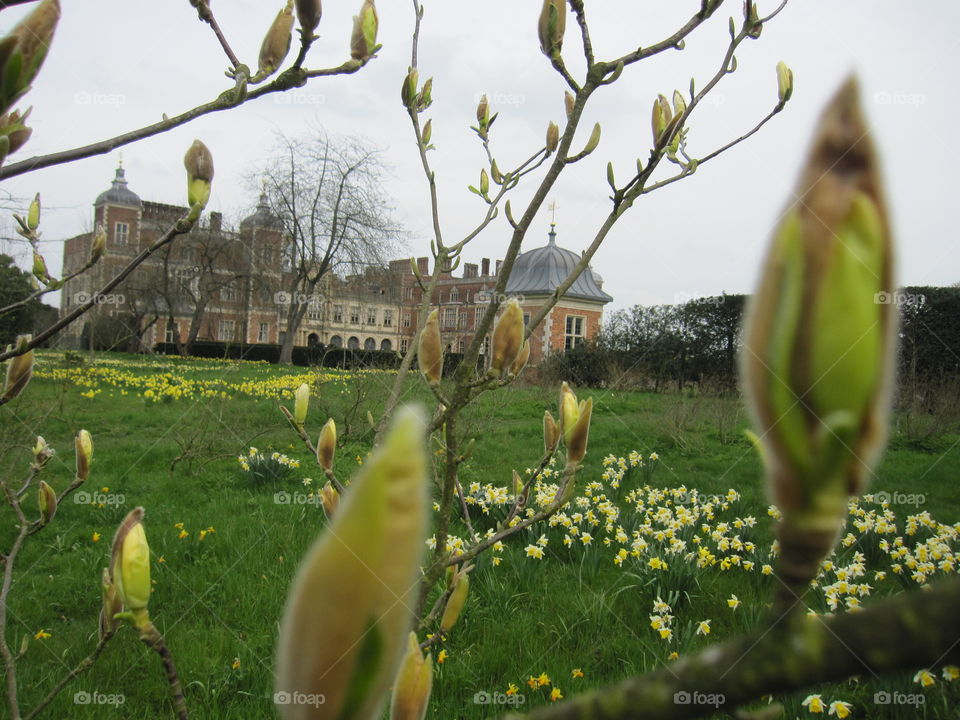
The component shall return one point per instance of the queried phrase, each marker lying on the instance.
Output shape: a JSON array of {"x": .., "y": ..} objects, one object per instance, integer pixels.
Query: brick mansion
[{"x": 223, "y": 285}]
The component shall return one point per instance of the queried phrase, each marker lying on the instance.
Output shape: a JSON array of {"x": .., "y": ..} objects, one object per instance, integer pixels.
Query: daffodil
[
  {"x": 840, "y": 708},
  {"x": 813, "y": 703}
]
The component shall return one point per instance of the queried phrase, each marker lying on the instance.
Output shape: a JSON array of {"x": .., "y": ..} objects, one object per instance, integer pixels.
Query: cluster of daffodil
[{"x": 263, "y": 467}]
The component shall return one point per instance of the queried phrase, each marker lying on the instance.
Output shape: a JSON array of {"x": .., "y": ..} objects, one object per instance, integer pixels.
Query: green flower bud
[
  {"x": 363, "y": 43},
  {"x": 411, "y": 691},
  {"x": 408, "y": 91},
  {"x": 130, "y": 563},
  {"x": 19, "y": 371},
  {"x": 507, "y": 338},
  {"x": 301, "y": 404},
  {"x": 662, "y": 115},
  {"x": 430, "y": 350},
  {"x": 483, "y": 112},
  {"x": 784, "y": 82},
  {"x": 110, "y": 607},
  {"x": 346, "y": 621},
  {"x": 455, "y": 603},
  {"x": 569, "y": 101},
  {"x": 99, "y": 244},
  {"x": 818, "y": 344},
  {"x": 276, "y": 43},
  {"x": 679, "y": 104},
  {"x": 47, "y": 500},
  {"x": 199, "y": 165},
  {"x": 484, "y": 182},
  {"x": 40, "y": 268},
  {"x": 42, "y": 452},
  {"x": 551, "y": 434},
  {"x": 520, "y": 362},
  {"x": 425, "y": 98},
  {"x": 593, "y": 141},
  {"x": 33, "y": 213},
  {"x": 327, "y": 445},
  {"x": 330, "y": 499},
  {"x": 551, "y": 26},
  {"x": 83, "y": 444},
  {"x": 25, "y": 50}
]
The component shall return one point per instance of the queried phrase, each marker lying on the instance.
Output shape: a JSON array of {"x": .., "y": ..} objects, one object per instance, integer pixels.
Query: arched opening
[
  {"x": 369, "y": 344},
  {"x": 313, "y": 340},
  {"x": 386, "y": 345},
  {"x": 353, "y": 343},
  {"x": 336, "y": 341}
]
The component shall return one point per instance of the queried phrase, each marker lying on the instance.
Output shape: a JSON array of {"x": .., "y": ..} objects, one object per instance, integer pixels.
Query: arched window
[
  {"x": 386, "y": 345},
  {"x": 336, "y": 341},
  {"x": 353, "y": 343},
  {"x": 369, "y": 344}
]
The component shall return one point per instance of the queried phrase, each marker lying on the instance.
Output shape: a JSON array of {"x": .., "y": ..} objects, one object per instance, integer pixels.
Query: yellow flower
[
  {"x": 840, "y": 708},
  {"x": 236, "y": 663},
  {"x": 96, "y": 537},
  {"x": 703, "y": 627},
  {"x": 442, "y": 657},
  {"x": 512, "y": 689},
  {"x": 951, "y": 672},
  {"x": 555, "y": 695},
  {"x": 544, "y": 679},
  {"x": 814, "y": 703},
  {"x": 766, "y": 570},
  {"x": 576, "y": 673},
  {"x": 666, "y": 633},
  {"x": 42, "y": 634},
  {"x": 925, "y": 678},
  {"x": 532, "y": 682},
  {"x": 734, "y": 602},
  {"x": 178, "y": 526},
  {"x": 535, "y": 551},
  {"x": 673, "y": 656},
  {"x": 183, "y": 534}
]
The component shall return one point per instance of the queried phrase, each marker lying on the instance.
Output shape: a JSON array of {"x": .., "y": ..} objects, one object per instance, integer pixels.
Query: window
[
  {"x": 121, "y": 233},
  {"x": 353, "y": 343},
  {"x": 369, "y": 344},
  {"x": 371, "y": 316},
  {"x": 408, "y": 293},
  {"x": 187, "y": 278},
  {"x": 407, "y": 321},
  {"x": 460, "y": 347},
  {"x": 172, "y": 334},
  {"x": 386, "y": 345},
  {"x": 388, "y": 318},
  {"x": 355, "y": 316},
  {"x": 462, "y": 320},
  {"x": 228, "y": 292},
  {"x": 338, "y": 314},
  {"x": 449, "y": 317},
  {"x": 313, "y": 312},
  {"x": 264, "y": 333},
  {"x": 404, "y": 344},
  {"x": 478, "y": 316},
  {"x": 454, "y": 295},
  {"x": 526, "y": 319},
  {"x": 268, "y": 256},
  {"x": 226, "y": 330},
  {"x": 486, "y": 346},
  {"x": 573, "y": 332}
]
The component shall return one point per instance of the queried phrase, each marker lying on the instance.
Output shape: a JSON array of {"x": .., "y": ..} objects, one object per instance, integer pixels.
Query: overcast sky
[{"x": 116, "y": 65}]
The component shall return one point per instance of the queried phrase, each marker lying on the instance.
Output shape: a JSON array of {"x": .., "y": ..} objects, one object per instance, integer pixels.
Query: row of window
[{"x": 371, "y": 316}]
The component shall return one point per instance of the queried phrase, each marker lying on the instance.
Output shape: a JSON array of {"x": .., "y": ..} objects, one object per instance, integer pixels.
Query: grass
[{"x": 218, "y": 599}]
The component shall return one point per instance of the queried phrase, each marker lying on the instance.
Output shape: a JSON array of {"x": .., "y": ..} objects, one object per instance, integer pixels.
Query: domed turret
[
  {"x": 119, "y": 193},
  {"x": 541, "y": 270},
  {"x": 262, "y": 217}
]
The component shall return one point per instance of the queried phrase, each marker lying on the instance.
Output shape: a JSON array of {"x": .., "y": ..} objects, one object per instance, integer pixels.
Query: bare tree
[{"x": 327, "y": 196}]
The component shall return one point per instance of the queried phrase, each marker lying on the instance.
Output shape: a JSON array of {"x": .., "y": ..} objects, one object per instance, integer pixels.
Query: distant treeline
[{"x": 665, "y": 347}]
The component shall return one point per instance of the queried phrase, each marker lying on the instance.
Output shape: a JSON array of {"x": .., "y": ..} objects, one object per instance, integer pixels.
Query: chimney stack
[
  {"x": 216, "y": 221},
  {"x": 485, "y": 267},
  {"x": 423, "y": 265},
  {"x": 499, "y": 263}
]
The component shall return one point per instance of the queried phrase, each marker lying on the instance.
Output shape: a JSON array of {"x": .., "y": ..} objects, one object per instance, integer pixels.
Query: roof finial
[
  {"x": 553, "y": 222},
  {"x": 120, "y": 162}
]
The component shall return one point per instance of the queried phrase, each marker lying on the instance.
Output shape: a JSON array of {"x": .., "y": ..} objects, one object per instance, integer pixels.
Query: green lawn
[{"x": 218, "y": 599}]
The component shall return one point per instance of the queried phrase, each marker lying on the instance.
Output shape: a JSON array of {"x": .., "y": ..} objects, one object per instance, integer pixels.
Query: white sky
[{"x": 116, "y": 65}]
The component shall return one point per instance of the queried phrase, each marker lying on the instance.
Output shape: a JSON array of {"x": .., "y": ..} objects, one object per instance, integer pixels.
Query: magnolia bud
[
  {"x": 276, "y": 43},
  {"x": 301, "y": 404},
  {"x": 308, "y": 14},
  {"x": 569, "y": 101},
  {"x": 47, "y": 499},
  {"x": 429, "y": 351},
  {"x": 19, "y": 370},
  {"x": 662, "y": 115},
  {"x": 551, "y": 434},
  {"x": 425, "y": 98},
  {"x": 408, "y": 91},
  {"x": 363, "y": 43},
  {"x": 33, "y": 213},
  {"x": 130, "y": 562},
  {"x": 517, "y": 483},
  {"x": 40, "y": 268},
  {"x": 199, "y": 165},
  {"x": 507, "y": 338},
  {"x": 411, "y": 690},
  {"x": 484, "y": 182},
  {"x": 679, "y": 104},
  {"x": 347, "y": 615},
  {"x": 483, "y": 112},
  {"x": 31, "y": 40},
  {"x": 819, "y": 339},
  {"x": 327, "y": 445},
  {"x": 330, "y": 499},
  {"x": 553, "y": 22},
  {"x": 455, "y": 603},
  {"x": 41, "y": 451},
  {"x": 553, "y": 137},
  {"x": 520, "y": 362},
  {"x": 784, "y": 82},
  {"x": 99, "y": 245},
  {"x": 577, "y": 442},
  {"x": 593, "y": 141},
  {"x": 83, "y": 444},
  {"x": 569, "y": 411}
]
